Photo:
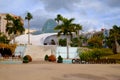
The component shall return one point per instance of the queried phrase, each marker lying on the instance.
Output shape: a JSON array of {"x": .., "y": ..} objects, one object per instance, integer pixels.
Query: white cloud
[
  {"x": 92, "y": 14},
  {"x": 53, "y": 5}
]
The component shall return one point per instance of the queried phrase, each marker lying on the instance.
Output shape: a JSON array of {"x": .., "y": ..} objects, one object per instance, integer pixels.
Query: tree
[
  {"x": 14, "y": 26},
  {"x": 114, "y": 38},
  {"x": 58, "y": 19},
  {"x": 75, "y": 42},
  {"x": 95, "y": 42},
  {"x": 8, "y": 18},
  {"x": 28, "y": 17},
  {"x": 66, "y": 28},
  {"x": 78, "y": 27},
  {"x": 3, "y": 38}
]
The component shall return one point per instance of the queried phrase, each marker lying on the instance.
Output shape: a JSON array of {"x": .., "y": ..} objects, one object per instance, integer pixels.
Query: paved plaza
[{"x": 36, "y": 71}]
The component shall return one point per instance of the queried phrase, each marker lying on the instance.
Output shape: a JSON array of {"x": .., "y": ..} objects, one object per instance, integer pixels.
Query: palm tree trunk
[
  {"x": 28, "y": 32},
  {"x": 58, "y": 40},
  {"x": 67, "y": 47},
  {"x": 115, "y": 45},
  {"x": 78, "y": 38},
  {"x": 58, "y": 37}
]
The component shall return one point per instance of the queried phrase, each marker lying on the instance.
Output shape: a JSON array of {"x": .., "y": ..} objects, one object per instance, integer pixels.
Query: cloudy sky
[{"x": 92, "y": 14}]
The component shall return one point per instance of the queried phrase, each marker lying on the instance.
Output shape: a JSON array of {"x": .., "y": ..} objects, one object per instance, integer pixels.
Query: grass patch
[{"x": 114, "y": 56}]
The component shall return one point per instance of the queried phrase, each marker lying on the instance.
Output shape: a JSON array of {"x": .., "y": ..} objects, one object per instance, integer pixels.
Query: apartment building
[{"x": 3, "y": 22}]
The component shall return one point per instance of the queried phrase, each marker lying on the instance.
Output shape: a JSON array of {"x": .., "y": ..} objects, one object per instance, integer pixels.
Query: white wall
[{"x": 63, "y": 52}]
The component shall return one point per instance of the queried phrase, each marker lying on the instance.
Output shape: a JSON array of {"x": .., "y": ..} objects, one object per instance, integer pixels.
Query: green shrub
[
  {"x": 106, "y": 51},
  {"x": 46, "y": 57},
  {"x": 62, "y": 42},
  {"x": 25, "y": 59},
  {"x": 75, "y": 42},
  {"x": 29, "y": 58},
  {"x": 84, "y": 53},
  {"x": 95, "y": 53},
  {"x": 98, "y": 53},
  {"x": 52, "y": 58},
  {"x": 60, "y": 59},
  {"x": 83, "y": 56}
]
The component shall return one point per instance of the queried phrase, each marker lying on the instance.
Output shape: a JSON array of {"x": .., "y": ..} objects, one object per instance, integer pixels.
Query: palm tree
[
  {"x": 58, "y": 19},
  {"x": 14, "y": 27},
  {"x": 115, "y": 37},
  {"x": 28, "y": 17},
  {"x": 78, "y": 27},
  {"x": 66, "y": 28}
]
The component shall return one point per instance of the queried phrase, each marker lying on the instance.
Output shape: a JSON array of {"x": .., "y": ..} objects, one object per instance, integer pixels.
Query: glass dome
[{"x": 49, "y": 26}]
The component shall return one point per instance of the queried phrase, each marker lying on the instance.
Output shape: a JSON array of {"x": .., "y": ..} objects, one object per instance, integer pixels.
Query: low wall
[
  {"x": 63, "y": 52},
  {"x": 39, "y": 52}
]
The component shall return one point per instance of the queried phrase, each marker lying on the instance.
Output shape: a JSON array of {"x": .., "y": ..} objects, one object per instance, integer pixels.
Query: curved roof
[{"x": 34, "y": 39}]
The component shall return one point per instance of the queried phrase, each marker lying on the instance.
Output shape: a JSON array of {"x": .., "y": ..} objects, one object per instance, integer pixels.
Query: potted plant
[
  {"x": 25, "y": 59},
  {"x": 60, "y": 59},
  {"x": 46, "y": 58}
]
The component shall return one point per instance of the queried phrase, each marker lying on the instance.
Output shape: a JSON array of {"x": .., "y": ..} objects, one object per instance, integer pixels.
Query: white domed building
[
  {"x": 40, "y": 37},
  {"x": 44, "y": 37}
]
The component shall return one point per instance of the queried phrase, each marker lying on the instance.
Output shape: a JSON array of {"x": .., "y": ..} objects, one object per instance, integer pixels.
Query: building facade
[{"x": 3, "y": 22}]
